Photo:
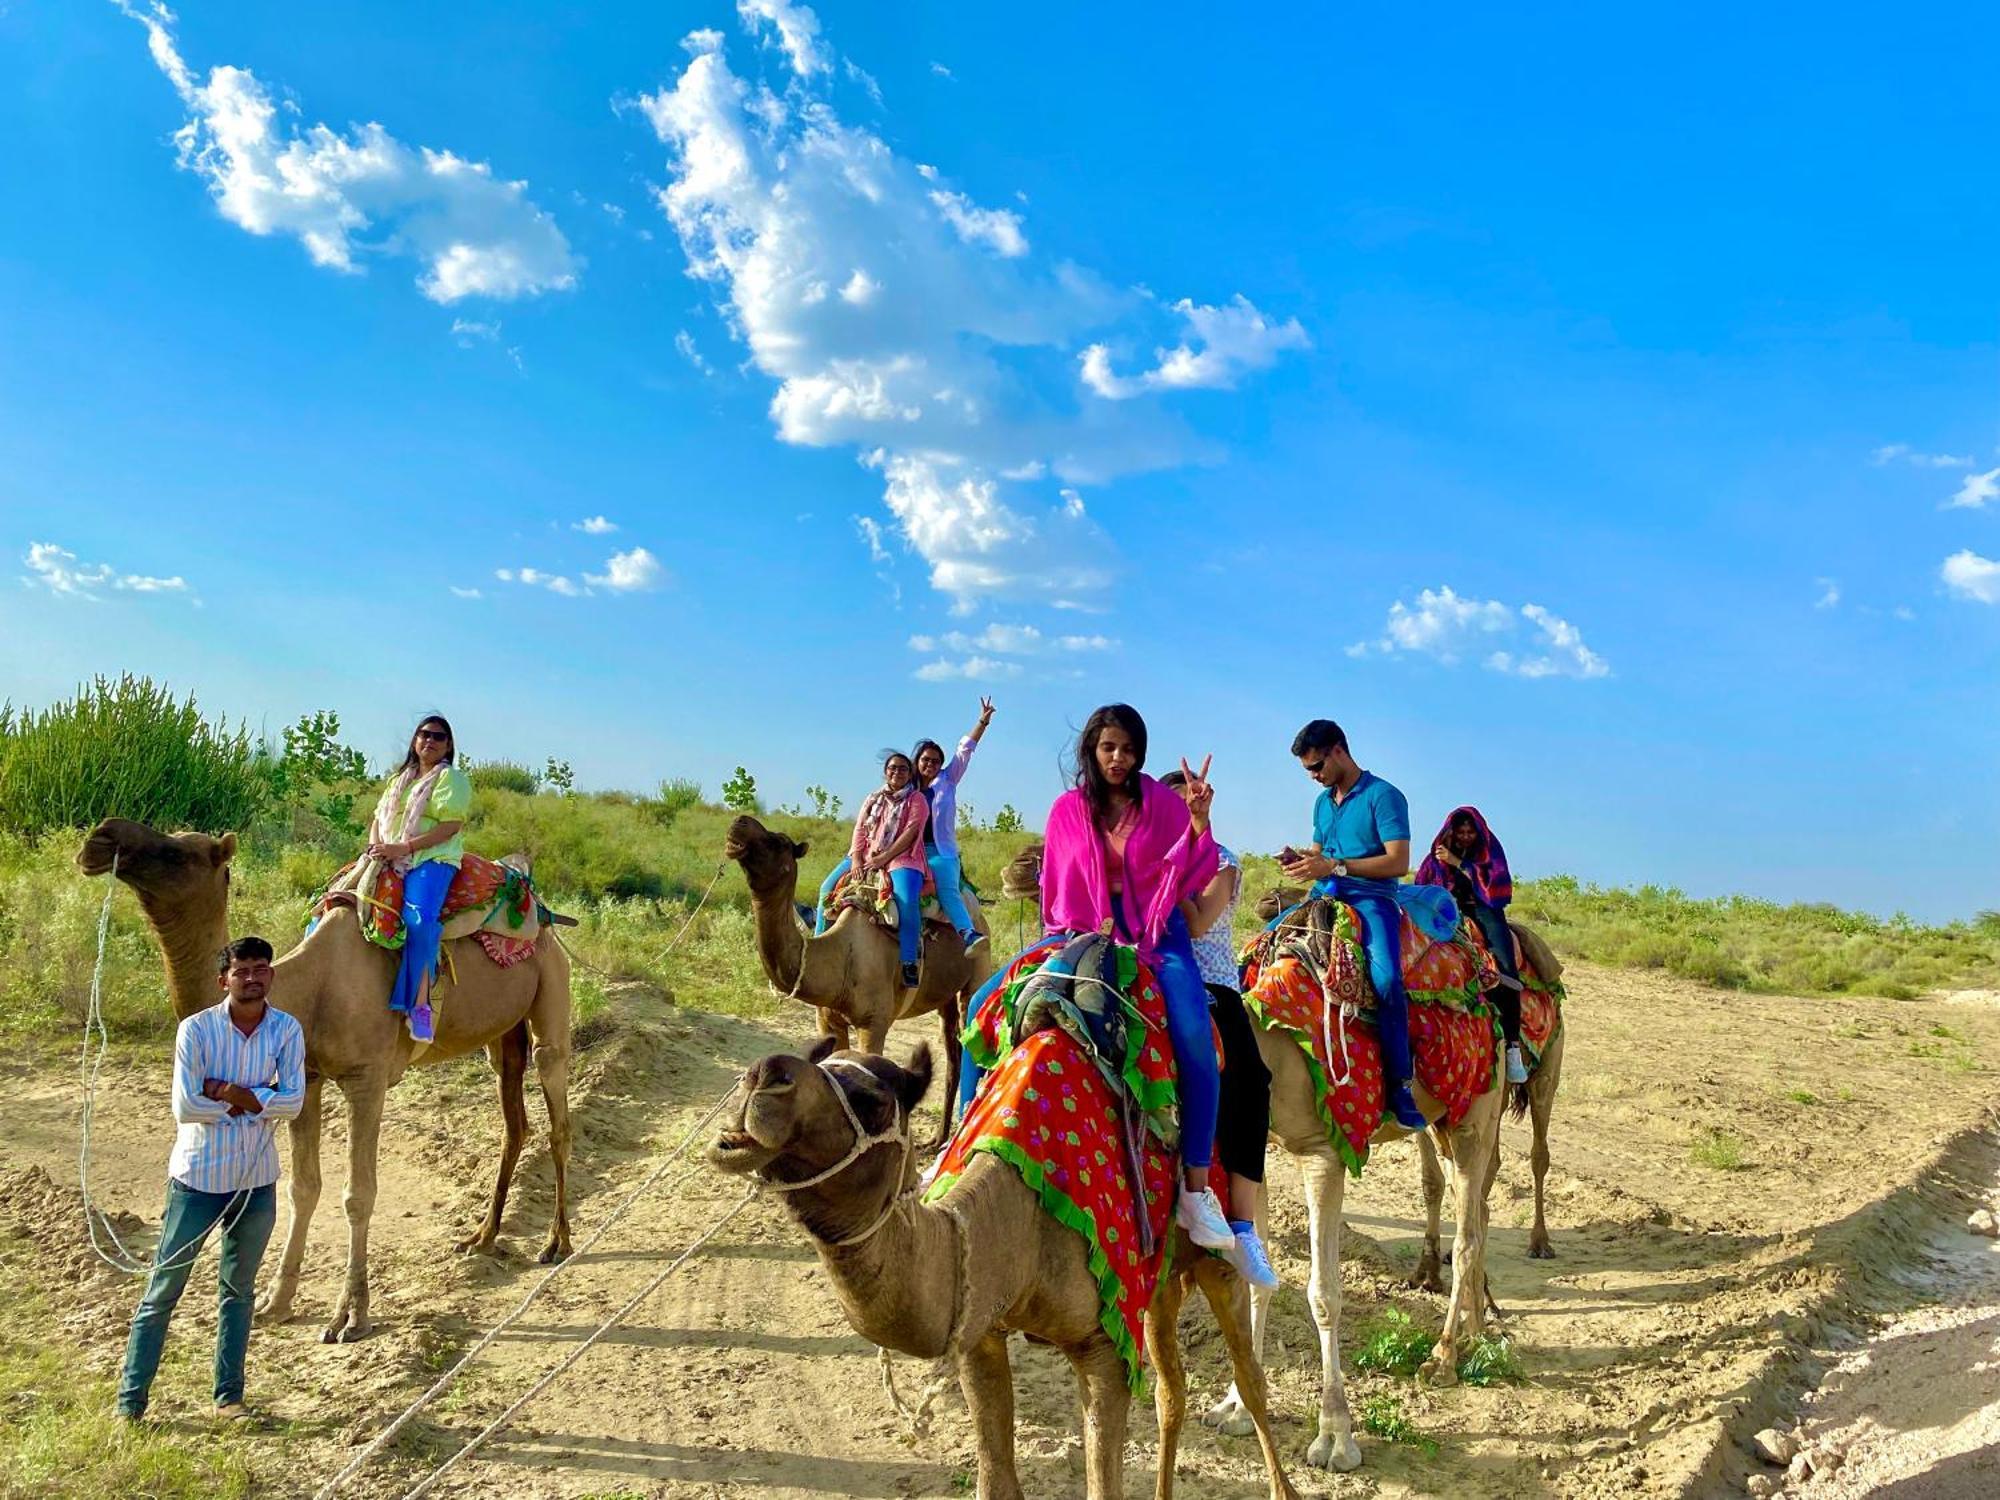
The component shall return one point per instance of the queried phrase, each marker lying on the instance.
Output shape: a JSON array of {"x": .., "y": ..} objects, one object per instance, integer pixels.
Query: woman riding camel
[
  {"x": 1121, "y": 853},
  {"x": 889, "y": 836},
  {"x": 418, "y": 830},
  {"x": 939, "y": 780},
  {"x": 1243, "y": 1109},
  {"x": 1467, "y": 860}
]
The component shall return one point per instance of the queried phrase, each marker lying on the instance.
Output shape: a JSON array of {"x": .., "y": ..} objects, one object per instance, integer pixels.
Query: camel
[
  {"x": 954, "y": 1278},
  {"x": 1295, "y": 1124},
  {"x": 851, "y": 974},
  {"x": 337, "y": 984}
]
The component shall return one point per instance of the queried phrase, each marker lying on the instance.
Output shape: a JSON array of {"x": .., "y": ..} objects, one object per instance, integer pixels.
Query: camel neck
[
  {"x": 792, "y": 963},
  {"x": 902, "y": 1288},
  {"x": 189, "y": 944}
]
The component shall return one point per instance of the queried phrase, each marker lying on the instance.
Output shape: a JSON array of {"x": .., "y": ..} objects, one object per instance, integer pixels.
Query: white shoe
[
  {"x": 1252, "y": 1262},
  {"x": 1517, "y": 1068},
  {"x": 1201, "y": 1215}
]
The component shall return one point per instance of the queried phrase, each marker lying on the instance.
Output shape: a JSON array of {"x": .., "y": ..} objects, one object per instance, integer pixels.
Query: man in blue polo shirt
[{"x": 1362, "y": 827}]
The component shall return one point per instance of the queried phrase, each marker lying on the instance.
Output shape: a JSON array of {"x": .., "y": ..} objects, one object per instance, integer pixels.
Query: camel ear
[
  {"x": 799, "y": 850},
  {"x": 223, "y": 850},
  {"x": 916, "y": 1079},
  {"x": 821, "y": 1051}
]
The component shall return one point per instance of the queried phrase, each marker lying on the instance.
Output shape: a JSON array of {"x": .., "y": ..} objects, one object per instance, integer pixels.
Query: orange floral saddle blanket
[
  {"x": 877, "y": 901},
  {"x": 489, "y": 901}
]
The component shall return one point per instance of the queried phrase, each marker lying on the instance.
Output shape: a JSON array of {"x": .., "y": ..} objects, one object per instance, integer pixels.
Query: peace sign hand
[{"x": 1200, "y": 795}]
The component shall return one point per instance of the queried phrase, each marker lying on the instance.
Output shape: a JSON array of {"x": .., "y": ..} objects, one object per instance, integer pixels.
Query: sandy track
[{"x": 1679, "y": 1318}]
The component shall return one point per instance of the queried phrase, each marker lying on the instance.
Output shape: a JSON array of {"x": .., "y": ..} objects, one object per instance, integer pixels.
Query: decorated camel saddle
[
  {"x": 874, "y": 899},
  {"x": 1080, "y": 1100},
  {"x": 1306, "y": 975},
  {"x": 491, "y": 901}
]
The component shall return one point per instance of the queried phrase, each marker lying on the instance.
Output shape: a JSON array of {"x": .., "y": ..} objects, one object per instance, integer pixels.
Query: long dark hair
[
  {"x": 1090, "y": 776},
  {"x": 917, "y": 753},
  {"x": 410, "y": 760}
]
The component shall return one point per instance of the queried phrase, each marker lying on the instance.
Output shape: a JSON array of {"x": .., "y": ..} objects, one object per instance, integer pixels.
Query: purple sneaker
[{"x": 420, "y": 1025}]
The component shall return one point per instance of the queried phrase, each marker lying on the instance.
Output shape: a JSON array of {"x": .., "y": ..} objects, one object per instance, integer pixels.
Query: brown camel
[
  {"x": 851, "y": 974},
  {"x": 1296, "y": 1126},
  {"x": 955, "y": 1277},
  {"x": 337, "y": 984}
]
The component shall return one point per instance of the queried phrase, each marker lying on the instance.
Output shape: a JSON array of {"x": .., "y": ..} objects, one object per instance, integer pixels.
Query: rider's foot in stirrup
[
  {"x": 1403, "y": 1104},
  {"x": 973, "y": 940},
  {"x": 911, "y": 976},
  {"x": 1517, "y": 1067},
  {"x": 1250, "y": 1258},
  {"x": 420, "y": 1024},
  {"x": 1201, "y": 1215}
]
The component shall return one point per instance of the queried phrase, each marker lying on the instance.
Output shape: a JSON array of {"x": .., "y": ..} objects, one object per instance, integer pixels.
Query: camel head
[
  {"x": 1277, "y": 899},
  {"x": 789, "y": 1125},
  {"x": 182, "y": 880},
  {"x": 1022, "y": 879},
  {"x": 770, "y": 860}
]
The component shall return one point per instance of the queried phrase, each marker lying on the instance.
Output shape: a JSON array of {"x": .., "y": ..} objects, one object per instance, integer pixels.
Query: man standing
[
  {"x": 1362, "y": 827},
  {"x": 239, "y": 1068}
]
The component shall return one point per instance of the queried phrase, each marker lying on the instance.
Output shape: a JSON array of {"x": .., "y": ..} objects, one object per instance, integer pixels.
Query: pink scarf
[
  {"x": 385, "y": 827},
  {"x": 1165, "y": 861}
]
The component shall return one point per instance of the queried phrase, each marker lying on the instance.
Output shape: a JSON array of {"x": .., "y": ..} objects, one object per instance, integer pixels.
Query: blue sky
[{"x": 1595, "y": 413}]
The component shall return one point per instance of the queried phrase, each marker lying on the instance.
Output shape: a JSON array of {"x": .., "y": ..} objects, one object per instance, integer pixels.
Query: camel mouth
[{"x": 739, "y": 1152}]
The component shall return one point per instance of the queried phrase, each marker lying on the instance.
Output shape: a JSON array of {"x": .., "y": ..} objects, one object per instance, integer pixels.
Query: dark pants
[
  {"x": 1500, "y": 938},
  {"x": 246, "y": 1220},
  {"x": 1243, "y": 1119}
]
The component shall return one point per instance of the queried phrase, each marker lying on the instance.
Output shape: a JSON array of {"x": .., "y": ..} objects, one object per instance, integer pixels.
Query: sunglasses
[
  {"x": 1313, "y": 767},
  {"x": 433, "y": 734}
]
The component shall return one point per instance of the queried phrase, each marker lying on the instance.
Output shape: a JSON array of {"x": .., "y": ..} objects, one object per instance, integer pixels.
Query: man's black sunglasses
[{"x": 1313, "y": 767}]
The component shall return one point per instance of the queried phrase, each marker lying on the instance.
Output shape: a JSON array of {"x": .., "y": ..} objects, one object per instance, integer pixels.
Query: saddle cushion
[
  {"x": 1541, "y": 999},
  {"x": 1047, "y": 1112},
  {"x": 489, "y": 901},
  {"x": 878, "y": 902}
]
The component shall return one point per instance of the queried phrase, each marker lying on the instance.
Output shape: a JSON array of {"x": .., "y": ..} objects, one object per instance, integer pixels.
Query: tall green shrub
[{"x": 126, "y": 749}]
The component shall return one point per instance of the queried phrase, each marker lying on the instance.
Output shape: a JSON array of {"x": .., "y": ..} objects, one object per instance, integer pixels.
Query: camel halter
[{"x": 864, "y": 1142}]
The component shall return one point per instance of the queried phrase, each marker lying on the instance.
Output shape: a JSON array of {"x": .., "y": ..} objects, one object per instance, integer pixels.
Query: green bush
[
  {"x": 739, "y": 793},
  {"x": 127, "y": 749},
  {"x": 503, "y": 776},
  {"x": 677, "y": 795},
  {"x": 1394, "y": 1344}
]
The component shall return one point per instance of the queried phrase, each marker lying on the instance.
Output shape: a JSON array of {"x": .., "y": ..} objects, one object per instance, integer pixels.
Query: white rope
[
  {"x": 425, "y": 1486},
  {"x": 388, "y": 1433}
]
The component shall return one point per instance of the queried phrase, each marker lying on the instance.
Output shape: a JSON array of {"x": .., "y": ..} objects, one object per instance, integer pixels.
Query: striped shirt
[{"x": 213, "y": 1151}]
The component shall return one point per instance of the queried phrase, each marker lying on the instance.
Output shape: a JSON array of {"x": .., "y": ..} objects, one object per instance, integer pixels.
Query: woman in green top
[{"x": 418, "y": 830}]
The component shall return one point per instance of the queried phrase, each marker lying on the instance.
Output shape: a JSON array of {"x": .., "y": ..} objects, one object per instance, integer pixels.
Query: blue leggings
[
  {"x": 1198, "y": 1069},
  {"x": 826, "y": 892},
  {"x": 908, "y": 888},
  {"x": 948, "y": 874},
  {"x": 424, "y": 891}
]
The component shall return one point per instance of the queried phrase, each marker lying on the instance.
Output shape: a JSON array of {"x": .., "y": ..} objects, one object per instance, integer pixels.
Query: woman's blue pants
[{"x": 424, "y": 890}]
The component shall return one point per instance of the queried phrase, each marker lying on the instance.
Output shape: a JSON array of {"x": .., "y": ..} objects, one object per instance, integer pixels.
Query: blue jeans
[
  {"x": 908, "y": 888},
  {"x": 424, "y": 890},
  {"x": 247, "y": 1219},
  {"x": 826, "y": 892},
  {"x": 1198, "y": 1070},
  {"x": 1382, "y": 933},
  {"x": 949, "y": 876}
]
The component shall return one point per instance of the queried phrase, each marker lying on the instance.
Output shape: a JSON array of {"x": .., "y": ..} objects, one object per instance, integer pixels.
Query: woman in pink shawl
[{"x": 1122, "y": 852}]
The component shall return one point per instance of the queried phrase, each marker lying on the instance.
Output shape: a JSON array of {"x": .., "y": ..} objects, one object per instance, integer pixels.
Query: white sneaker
[
  {"x": 1201, "y": 1215},
  {"x": 1517, "y": 1068},
  {"x": 1250, "y": 1259}
]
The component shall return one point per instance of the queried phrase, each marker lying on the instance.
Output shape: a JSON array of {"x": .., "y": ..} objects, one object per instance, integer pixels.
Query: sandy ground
[{"x": 1690, "y": 1305}]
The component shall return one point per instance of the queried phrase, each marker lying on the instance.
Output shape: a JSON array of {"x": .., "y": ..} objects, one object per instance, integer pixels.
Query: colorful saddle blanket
[
  {"x": 491, "y": 902},
  {"x": 877, "y": 901},
  {"x": 1541, "y": 999},
  {"x": 1047, "y": 1110},
  {"x": 1307, "y": 975}
]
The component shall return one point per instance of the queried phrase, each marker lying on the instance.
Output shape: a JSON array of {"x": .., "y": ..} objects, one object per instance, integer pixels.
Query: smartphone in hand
[{"x": 1289, "y": 856}]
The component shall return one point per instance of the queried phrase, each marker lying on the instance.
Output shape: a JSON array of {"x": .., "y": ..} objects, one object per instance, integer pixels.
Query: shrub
[
  {"x": 504, "y": 776},
  {"x": 1394, "y": 1344},
  {"x": 1491, "y": 1361},
  {"x": 739, "y": 793},
  {"x": 1717, "y": 1149},
  {"x": 127, "y": 749},
  {"x": 677, "y": 795},
  {"x": 1382, "y": 1414},
  {"x": 1008, "y": 820},
  {"x": 558, "y": 777}
]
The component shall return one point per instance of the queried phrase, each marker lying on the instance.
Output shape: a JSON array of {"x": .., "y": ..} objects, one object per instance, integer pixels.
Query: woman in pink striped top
[{"x": 889, "y": 836}]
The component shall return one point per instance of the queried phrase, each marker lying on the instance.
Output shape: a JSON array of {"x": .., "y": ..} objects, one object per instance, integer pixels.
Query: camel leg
[
  {"x": 1473, "y": 1145},
  {"x": 1163, "y": 1340},
  {"x": 1325, "y": 1184},
  {"x": 365, "y": 1094},
  {"x": 988, "y": 1382},
  {"x": 277, "y": 1304},
  {"x": 509, "y": 1055},
  {"x": 552, "y": 1054},
  {"x": 1228, "y": 1295},
  {"x": 834, "y": 1024},
  {"x": 1541, "y": 1103},
  {"x": 1429, "y": 1274},
  {"x": 1107, "y": 1408},
  {"x": 1231, "y": 1415},
  {"x": 952, "y": 1018}
]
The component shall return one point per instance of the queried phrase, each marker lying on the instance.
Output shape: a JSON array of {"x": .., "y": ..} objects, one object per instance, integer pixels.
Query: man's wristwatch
[{"x": 1340, "y": 868}]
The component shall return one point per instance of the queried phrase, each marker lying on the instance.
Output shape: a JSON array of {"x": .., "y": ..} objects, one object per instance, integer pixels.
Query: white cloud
[
  {"x": 684, "y": 342},
  {"x": 1967, "y": 575},
  {"x": 797, "y": 30},
  {"x": 958, "y": 386},
  {"x": 1447, "y": 626},
  {"x": 57, "y": 570},
  {"x": 999, "y": 229},
  {"x": 942, "y": 71},
  {"x": 354, "y": 196},
  {"x": 971, "y": 669},
  {"x": 1892, "y": 452},
  {"x": 467, "y": 593},
  {"x": 594, "y": 526},
  {"x": 1008, "y": 640},
  {"x": 1234, "y": 340},
  {"x": 1976, "y": 491},
  {"x": 555, "y": 583},
  {"x": 1829, "y": 593},
  {"x": 470, "y": 331},
  {"x": 871, "y": 533},
  {"x": 628, "y": 573}
]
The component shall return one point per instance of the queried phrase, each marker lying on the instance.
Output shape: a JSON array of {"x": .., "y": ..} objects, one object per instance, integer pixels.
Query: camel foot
[
  {"x": 1229, "y": 1417},
  {"x": 1440, "y": 1370},
  {"x": 274, "y": 1308},
  {"x": 347, "y": 1327},
  {"x": 1336, "y": 1451},
  {"x": 1541, "y": 1249},
  {"x": 1428, "y": 1276},
  {"x": 555, "y": 1250},
  {"x": 480, "y": 1242}
]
